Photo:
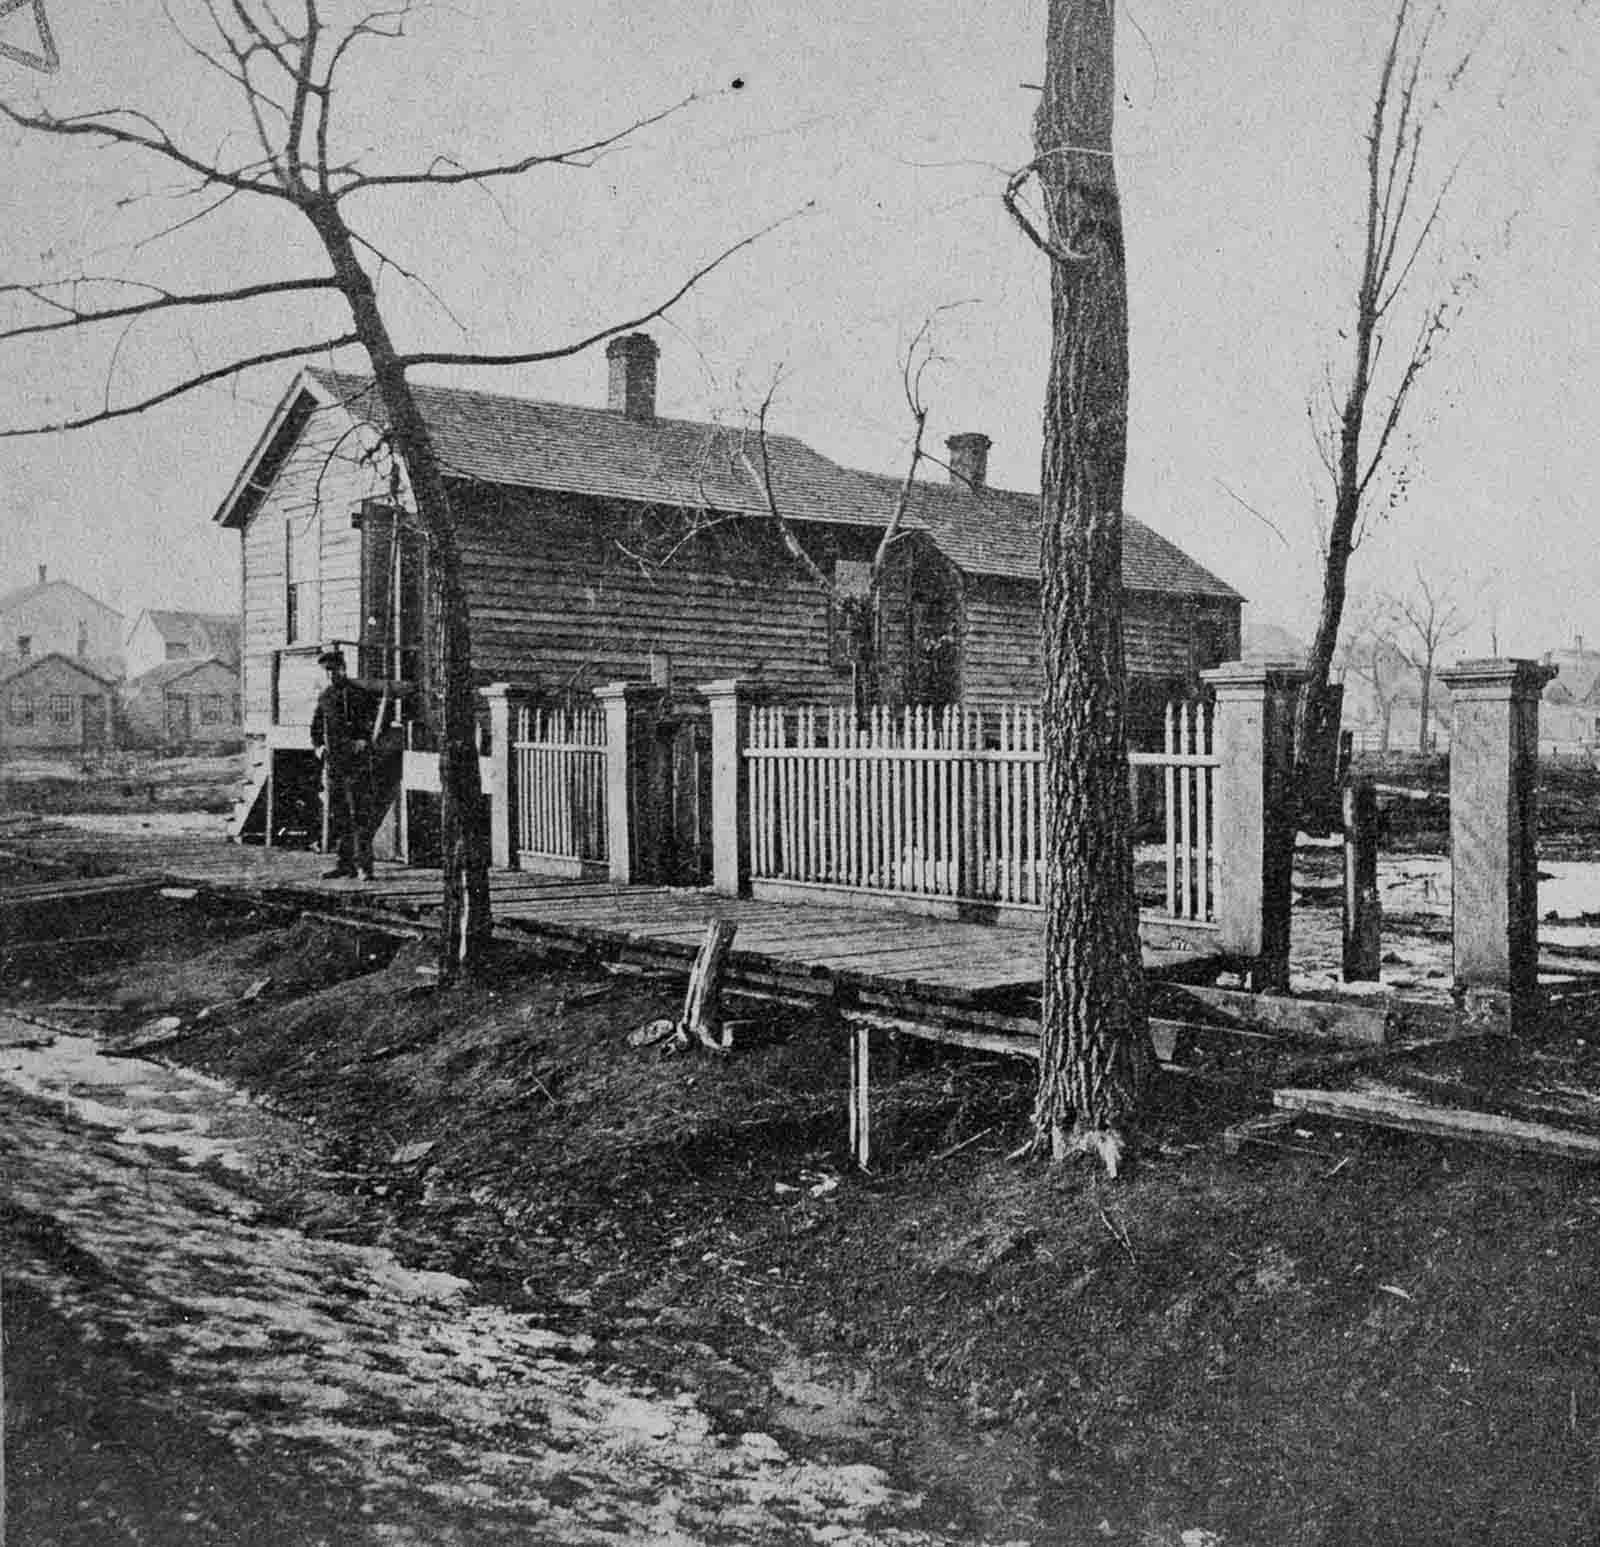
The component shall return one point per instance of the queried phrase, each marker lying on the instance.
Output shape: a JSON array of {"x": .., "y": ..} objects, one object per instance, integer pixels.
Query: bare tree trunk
[
  {"x": 1424, "y": 707},
  {"x": 465, "y": 922},
  {"x": 1096, "y": 1056},
  {"x": 1392, "y": 244}
]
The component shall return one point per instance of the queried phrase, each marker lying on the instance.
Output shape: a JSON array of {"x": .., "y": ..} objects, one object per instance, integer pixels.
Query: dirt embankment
[{"x": 1349, "y": 1338}]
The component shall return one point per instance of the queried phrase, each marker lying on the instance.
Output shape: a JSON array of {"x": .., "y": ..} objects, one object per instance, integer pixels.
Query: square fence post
[
  {"x": 631, "y": 710},
  {"x": 730, "y": 785},
  {"x": 1253, "y": 737},
  {"x": 1494, "y": 757},
  {"x": 500, "y": 782}
]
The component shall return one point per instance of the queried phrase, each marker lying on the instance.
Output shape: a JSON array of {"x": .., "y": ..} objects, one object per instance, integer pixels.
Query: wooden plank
[
  {"x": 1386, "y": 1111},
  {"x": 1330, "y": 1020}
]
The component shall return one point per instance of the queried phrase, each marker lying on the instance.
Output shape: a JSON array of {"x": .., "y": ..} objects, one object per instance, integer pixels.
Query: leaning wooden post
[
  {"x": 1253, "y": 740},
  {"x": 702, "y": 1003},
  {"x": 1494, "y": 756},
  {"x": 630, "y": 710},
  {"x": 730, "y": 785},
  {"x": 1362, "y": 914},
  {"x": 500, "y": 781}
]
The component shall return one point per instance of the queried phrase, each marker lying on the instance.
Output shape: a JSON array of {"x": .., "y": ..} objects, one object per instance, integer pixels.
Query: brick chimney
[
  {"x": 43, "y": 572},
  {"x": 969, "y": 459},
  {"x": 632, "y": 375}
]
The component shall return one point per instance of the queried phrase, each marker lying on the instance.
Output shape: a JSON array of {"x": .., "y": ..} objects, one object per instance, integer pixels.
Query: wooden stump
[{"x": 702, "y": 1004}]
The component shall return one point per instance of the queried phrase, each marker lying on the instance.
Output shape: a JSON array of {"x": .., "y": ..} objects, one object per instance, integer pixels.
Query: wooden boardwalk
[{"x": 805, "y": 949}]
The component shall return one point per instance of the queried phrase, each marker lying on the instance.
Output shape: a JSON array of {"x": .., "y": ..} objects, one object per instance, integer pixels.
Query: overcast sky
[{"x": 886, "y": 131}]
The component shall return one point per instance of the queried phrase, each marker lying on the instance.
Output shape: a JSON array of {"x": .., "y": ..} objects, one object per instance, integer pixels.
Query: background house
[
  {"x": 159, "y": 635},
  {"x": 606, "y": 544},
  {"x": 183, "y": 706},
  {"x": 55, "y": 704},
  {"x": 55, "y": 617}
]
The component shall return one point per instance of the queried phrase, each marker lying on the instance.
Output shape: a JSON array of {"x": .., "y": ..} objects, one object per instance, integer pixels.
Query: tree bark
[
  {"x": 464, "y": 928},
  {"x": 1096, "y": 1057}
]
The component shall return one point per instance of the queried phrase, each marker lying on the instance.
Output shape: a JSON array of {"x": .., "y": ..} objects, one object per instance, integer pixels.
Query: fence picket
[{"x": 947, "y": 803}]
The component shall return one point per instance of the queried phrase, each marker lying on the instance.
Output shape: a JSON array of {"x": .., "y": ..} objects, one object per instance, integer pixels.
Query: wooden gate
[
  {"x": 680, "y": 796},
  {"x": 561, "y": 786}
]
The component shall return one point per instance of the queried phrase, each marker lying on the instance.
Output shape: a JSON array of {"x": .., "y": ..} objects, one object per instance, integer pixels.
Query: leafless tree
[
  {"x": 286, "y": 72},
  {"x": 1096, "y": 1056},
  {"x": 1369, "y": 652},
  {"x": 1431, "y": 615},
  {"x": 1391, "y": 343},
  {"x": 860, "y": 610}
]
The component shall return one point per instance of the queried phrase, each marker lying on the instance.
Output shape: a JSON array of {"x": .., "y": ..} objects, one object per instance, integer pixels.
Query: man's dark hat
[{"x": 329, "y": 654}]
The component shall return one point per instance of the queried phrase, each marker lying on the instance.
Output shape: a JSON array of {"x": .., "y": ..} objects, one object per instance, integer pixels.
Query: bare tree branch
[
  {"x": 575, "y": 156},
  {"x": 192, "y": 384},
  {"x": 95, "y": 125},
  {"x": 911, "y": 381},
  {"x": 1009, "y": 197},
  {"x": 563, "y": 351},
  {"x": 163, "y": 301},
  {"x": 1266, "y": 520},
  {"x": 385, "y": 261},
  {"x": 796, "y": 549}
]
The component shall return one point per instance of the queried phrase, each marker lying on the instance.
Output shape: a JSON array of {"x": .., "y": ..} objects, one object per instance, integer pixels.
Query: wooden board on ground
[
  {"x": 1398, "y": 1111},
  {"x": 1351, "y": 1022}
]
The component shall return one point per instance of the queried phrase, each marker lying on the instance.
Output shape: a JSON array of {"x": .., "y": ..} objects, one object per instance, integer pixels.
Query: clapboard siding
[
  {"x": 1000, "y": 644},
  {"x": 564, "y": 594},
  {"x": 567, "y": 591},
  {"x": 1166, "y": 638},
  {"x": 320, "y": 485}
]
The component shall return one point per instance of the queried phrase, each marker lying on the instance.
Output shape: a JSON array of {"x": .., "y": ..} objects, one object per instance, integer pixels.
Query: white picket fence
[
  {"x": 948, "y": 803},
  {"x": 561, "y": 781}
]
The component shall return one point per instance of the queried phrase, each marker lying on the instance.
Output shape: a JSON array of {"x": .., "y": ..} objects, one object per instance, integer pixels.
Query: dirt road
[{"x": 179, "y": 1370}]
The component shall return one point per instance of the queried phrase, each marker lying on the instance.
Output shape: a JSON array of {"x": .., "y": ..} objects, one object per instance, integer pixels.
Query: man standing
[{"x": 341, "y": 733}]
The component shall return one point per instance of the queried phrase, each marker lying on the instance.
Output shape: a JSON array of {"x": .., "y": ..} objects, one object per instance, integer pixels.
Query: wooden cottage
[
  {"x": 613, "y": 544},
  {"x": 55, "y": 704},
  {"x": 56, "y": 617},
  {"x": 183, "y": 705},
  {"x": 163, "y": 634}
]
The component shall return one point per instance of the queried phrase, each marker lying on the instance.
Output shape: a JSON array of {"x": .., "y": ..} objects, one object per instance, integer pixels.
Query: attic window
[{"x": 24, "y": 645}]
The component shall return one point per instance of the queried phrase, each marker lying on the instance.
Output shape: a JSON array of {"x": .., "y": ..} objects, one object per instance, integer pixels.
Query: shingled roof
[
  {"x": 689, "y": 464},
  {"x": 205, "y": 633},
  {"x": 565, "y": 448},
  {"x": 987, "y": 531}
]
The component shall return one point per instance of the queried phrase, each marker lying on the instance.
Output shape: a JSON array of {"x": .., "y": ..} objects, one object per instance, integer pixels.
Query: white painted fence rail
[
  {"x": 560, "y": 781},
  {"x": 948, "y": 803}
]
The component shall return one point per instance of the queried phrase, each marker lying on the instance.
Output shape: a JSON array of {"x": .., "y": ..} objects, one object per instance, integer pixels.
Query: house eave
[{"x": 305, "y": 396}]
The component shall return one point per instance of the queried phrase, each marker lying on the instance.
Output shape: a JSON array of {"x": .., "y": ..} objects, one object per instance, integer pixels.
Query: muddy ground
[{"x": 1346, "y": 1337}]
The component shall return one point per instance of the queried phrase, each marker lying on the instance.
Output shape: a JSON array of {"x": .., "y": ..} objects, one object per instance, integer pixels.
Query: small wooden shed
[
  {"x": 184, "y": 705},
  {"x": 55, "y": 704}
]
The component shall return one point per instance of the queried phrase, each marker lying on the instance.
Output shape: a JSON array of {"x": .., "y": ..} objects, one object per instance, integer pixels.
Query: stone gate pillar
[
  {"x": 632, "y": 825},
  {"x": 729, "y": 702},
  {"x": 500, "y": 769},
  {"x": 1253, "y": 736},
  {"x": 1494, "y": 760}
]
